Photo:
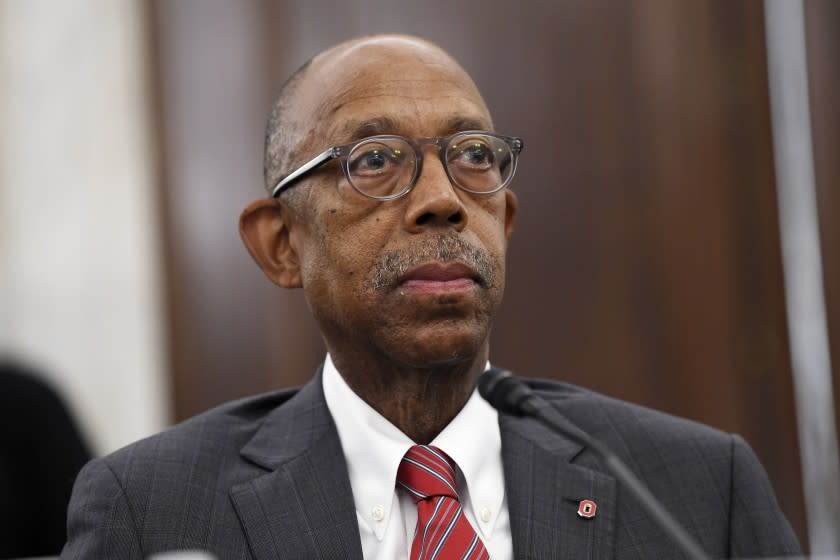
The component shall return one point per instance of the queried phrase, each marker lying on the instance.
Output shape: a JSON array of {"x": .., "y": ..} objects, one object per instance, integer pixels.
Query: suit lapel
[
  {"x": 300, "y": 505},
  {"x": 546, "y": 477}
]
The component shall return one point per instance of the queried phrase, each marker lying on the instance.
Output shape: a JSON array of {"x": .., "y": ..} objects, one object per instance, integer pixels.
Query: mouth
[{"x": 437, "y": 277}]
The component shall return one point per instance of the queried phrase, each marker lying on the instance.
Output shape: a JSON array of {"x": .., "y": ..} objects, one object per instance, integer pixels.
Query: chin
[{"x": 441, "y": 345}]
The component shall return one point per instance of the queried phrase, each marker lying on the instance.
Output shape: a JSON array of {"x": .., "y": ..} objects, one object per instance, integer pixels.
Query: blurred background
[{"x": 646, "y": 263}]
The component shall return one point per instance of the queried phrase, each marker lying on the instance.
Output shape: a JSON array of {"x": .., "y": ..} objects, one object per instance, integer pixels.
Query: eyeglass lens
[{"x": 384, "y": 168}]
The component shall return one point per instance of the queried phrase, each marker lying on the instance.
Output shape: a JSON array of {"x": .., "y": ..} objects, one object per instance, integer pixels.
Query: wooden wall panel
[
  {"x": 231, "y": 332},
  {"x": 646, "y": 261}
]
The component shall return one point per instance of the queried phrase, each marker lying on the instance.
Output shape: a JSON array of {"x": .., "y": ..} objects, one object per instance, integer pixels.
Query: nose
[{"x": 434, "y": 202}]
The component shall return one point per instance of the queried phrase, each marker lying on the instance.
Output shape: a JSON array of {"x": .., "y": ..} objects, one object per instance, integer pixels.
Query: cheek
[
  {"x": 489, "y": 226},
  {"x": 354, "y": 235},
  {"x": 337, "y": 264}
]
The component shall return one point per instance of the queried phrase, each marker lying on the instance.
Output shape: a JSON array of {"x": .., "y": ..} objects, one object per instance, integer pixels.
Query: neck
[{"x": 420, "y": 401}]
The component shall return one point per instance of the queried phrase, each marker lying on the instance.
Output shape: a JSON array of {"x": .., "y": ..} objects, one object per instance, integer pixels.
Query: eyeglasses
[{"x": 386, "y": 167}]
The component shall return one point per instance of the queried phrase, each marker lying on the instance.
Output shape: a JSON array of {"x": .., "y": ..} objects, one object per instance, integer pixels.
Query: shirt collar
[
  {"x": 473, "y": 441},
  {"x": 373, "y": 448}
]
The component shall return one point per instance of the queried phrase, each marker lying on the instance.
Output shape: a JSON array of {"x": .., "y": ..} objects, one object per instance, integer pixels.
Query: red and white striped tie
[{"x": 428, "y": 475}]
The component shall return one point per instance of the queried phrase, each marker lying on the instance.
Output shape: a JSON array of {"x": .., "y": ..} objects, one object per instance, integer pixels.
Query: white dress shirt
[{"x": 374, "y": 447}]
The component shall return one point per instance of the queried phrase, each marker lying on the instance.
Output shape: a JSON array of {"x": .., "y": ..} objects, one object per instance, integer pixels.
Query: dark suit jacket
[{"x": 265, "y": 478}]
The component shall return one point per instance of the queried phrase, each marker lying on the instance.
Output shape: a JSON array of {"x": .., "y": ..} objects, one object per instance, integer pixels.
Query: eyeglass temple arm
[{"x": 320, "y": 159}]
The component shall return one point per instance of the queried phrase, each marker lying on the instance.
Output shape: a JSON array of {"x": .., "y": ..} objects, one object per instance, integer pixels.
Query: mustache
[{"x": 392, "y": 266}]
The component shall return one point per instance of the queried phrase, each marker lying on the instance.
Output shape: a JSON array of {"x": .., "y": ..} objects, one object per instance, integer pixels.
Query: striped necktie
[{"x": 428, "y": 475}]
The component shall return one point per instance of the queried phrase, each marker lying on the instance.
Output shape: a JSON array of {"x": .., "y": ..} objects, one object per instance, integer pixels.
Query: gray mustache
[{"x": 392, "y": 266}]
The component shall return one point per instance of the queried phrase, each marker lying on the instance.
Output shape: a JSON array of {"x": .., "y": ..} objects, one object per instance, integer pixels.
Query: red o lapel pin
[{"x": 587, "y": 509}]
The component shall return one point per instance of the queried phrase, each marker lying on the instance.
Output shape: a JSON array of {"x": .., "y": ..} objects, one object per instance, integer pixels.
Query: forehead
[{"x": 390, "y": 87}]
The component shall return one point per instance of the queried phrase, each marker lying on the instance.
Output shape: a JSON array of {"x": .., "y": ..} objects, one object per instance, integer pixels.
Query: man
[{"x": 390, "y": 209}]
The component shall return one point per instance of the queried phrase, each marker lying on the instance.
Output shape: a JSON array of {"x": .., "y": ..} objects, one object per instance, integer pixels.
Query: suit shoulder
[
  {"x": 179, "y": 478},
  {"x": 603, "y": 416},
  {"x": 220, "y": 430}
]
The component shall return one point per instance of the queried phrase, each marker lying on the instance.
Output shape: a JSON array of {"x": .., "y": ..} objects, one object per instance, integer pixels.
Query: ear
[
  {"x": 511, "y": 204},
  {"x": 264, "y": 226}
]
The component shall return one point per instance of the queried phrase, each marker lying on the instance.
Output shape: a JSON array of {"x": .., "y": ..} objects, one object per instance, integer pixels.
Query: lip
[{"x": 440, "y": 277}]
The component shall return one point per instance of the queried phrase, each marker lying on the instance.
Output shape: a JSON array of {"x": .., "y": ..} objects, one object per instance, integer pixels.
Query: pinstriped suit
[{"x": 265, "y": 478}]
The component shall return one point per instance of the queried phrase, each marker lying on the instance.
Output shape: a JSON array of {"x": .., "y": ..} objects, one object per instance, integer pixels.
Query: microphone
[{"x": 510, "y": 394}]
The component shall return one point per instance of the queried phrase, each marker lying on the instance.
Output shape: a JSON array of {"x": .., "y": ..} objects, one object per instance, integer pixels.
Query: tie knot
[{"x": 426, "y": 471}]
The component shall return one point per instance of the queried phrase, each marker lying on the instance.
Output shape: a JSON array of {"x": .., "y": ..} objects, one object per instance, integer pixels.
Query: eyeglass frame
[{"x": 343, "y": 151}]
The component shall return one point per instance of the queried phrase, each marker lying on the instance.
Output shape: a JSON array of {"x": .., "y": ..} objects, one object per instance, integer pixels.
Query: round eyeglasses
[{"x": 386, "y": 167}]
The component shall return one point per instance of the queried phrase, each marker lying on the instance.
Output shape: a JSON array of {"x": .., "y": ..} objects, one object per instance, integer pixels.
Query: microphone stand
[{"x": 509, "y": 394}]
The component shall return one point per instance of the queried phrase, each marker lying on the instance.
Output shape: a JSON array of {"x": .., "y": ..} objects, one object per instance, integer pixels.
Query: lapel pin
[{"x": 587, "y": 509}]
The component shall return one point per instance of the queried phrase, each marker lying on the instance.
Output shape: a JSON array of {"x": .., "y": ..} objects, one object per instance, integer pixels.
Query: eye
[
  {"x": 372, "y": 160},
  {"x": 474, "y": 154},
  {"x": 375, "y": 160}
]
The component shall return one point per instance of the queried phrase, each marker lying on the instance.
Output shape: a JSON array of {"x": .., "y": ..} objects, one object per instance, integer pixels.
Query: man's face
[{"x": 416, "y": 279}]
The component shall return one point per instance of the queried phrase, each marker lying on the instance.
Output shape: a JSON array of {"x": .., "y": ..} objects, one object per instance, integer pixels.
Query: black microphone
[{"x": 510, "y": 394}]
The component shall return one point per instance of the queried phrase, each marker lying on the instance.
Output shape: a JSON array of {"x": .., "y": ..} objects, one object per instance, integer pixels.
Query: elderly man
[{"x": 389, "y": 206}]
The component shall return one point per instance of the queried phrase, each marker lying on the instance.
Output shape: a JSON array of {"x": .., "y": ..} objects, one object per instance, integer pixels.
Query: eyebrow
[
  {"x": 457, "y": 124},
  {"x": 358, "y": 129}
]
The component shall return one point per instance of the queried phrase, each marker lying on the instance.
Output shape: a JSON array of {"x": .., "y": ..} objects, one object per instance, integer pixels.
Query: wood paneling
[
  {"x": 646, "y": 261},
  {"x": 231, "y": 332}
]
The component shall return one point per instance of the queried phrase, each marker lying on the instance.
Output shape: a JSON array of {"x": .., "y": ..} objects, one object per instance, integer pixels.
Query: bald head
[{"x": 302, "y": 120}]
